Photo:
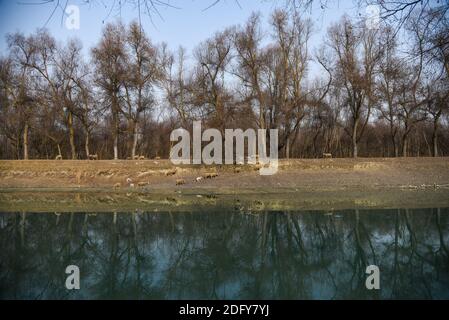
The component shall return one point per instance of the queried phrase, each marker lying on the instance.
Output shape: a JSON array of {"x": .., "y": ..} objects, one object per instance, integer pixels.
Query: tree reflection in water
[{"x": 230, "y": 254}]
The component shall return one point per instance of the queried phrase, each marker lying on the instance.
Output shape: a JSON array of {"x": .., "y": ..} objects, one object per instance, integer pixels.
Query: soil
[
  {"x": 304, "y": 174},
  {"x": 158, "y": 185}
]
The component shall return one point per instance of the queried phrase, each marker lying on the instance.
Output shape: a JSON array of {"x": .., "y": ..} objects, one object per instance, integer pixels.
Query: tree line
[{"x": 378, "y": 93}]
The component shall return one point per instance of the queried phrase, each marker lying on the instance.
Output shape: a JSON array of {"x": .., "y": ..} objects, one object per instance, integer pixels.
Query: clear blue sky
[{"x": 186, "y": 26}]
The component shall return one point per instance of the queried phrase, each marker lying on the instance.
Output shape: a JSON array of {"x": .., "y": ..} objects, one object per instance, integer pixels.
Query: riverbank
[
  {"x": 150, "y": 185},
  {"x": 153, "y": 175}
]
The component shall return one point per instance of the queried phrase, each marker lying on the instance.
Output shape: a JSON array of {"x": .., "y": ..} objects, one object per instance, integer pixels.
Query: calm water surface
[{"x": 226, "y": 255}]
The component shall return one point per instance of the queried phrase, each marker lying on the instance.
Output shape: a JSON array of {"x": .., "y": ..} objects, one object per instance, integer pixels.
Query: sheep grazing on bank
[
  {"x": 171, "y": 172},
  {"x": 211, "y": 175},
  {"x": 92, "y": 157},
  {"x": 180, "y": 182},
  {"x": 198, "y": 179},
  {"x": 327, "y": 155}
]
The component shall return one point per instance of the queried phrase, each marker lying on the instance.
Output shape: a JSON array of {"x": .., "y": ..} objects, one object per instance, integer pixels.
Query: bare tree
[
  {"x": 69, "y": 72},
  {"x": 17, "y": 85},
  {"x": 251, "y": 61},
  {"x": 357, "y": 53},
  {"x": 391, "y": 70},
  {"x": 436, "y": 107},
  {"x": 109, "y": 57},
  {"x": 212, "y": 58},
  {"x": 176, "y": 84},
  {"x": 144, "y": 72},
  {"x": 289, "y": 59}
]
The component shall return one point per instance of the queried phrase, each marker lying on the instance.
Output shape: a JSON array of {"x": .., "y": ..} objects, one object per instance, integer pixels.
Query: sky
[{"x": 185, "y": 24}]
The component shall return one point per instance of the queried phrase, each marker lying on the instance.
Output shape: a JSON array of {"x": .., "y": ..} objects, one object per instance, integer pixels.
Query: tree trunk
[
  {"x": 115, "y": 134},
  {"x": 261, "y": 117},
  {"x": 427, "y": 144},
  {"x": 435, "y": 138},
  {"x": 59, "y": 151},
  {"x": 116, "y": 146},
  {"x": 354, "y": 139},
  {"x": 25, "y": 142},
  {"x": 396, "y": 149},
  {"x": 17, "y": 146},
  {"x": 435, "y": 146},
  {"x": 86, "y": 144},
  {"x": 404, "y": 146},
  {"x": 395, "y": 145},
  {"x": 135, "y": 138},
  {"x": 115, "y": 108},
  {"x": 71, "y": 135}
]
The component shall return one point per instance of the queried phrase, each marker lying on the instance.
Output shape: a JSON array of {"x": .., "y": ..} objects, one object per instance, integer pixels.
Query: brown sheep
[
  {"x": 171, "y": 172},
  {"x": 211, "y": 175}
]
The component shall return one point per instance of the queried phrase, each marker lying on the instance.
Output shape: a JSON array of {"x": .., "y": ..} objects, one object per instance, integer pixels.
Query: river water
[{"x": 226, "y": 254}]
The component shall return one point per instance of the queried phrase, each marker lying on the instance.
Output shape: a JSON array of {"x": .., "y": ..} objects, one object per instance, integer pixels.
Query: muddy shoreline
[{"x": 207, "y": 200}]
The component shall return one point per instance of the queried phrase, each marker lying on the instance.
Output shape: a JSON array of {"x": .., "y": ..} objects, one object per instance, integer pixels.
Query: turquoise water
[{"x": 226, "y": 255}]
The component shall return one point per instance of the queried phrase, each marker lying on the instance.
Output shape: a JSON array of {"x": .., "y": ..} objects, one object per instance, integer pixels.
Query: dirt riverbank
[
  {"x": 304, "y": 174},
  {"x": 325, "y": 184}
]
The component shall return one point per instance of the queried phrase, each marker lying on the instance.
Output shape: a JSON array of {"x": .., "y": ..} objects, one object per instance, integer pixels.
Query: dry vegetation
[
  {"x": 327, "y": 184},
  {"x": 150, "y": 175}
]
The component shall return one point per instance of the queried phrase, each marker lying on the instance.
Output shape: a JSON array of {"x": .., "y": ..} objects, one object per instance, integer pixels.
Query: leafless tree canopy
[{"x": 374, "y": 96}]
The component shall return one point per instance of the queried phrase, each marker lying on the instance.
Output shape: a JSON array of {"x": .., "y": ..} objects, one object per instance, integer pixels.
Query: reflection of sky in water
[{"x": 306, "y": 255}]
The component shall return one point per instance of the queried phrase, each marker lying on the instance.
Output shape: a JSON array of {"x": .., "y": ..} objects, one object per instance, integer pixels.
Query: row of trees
[{"x": 375, "y": 95}]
